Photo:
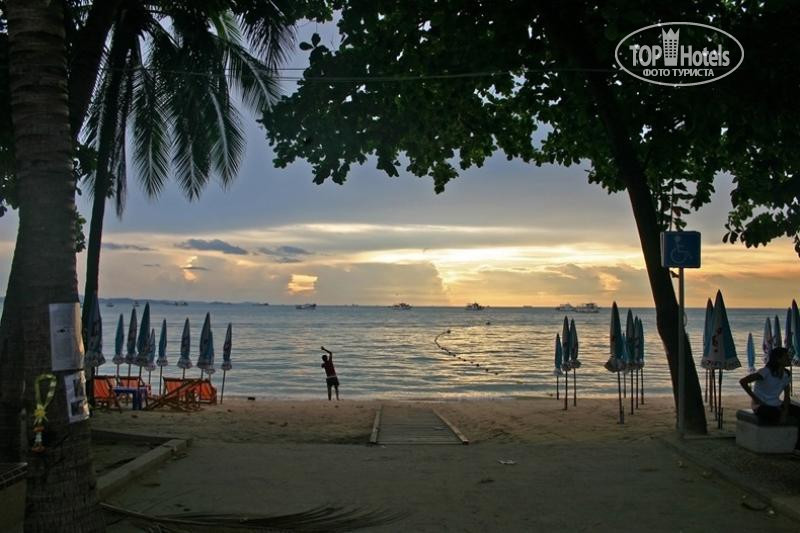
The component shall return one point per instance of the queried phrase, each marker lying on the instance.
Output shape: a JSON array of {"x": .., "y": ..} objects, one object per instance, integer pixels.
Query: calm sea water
[{"x": 387, "y": 353}]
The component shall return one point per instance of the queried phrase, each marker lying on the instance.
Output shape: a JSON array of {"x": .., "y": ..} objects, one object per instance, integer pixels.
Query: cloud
[
  {"x": 192, "y": 267},
  {"x": 151, "y": 265},
  {"x": 285, "y": 254},
  {"x": 287, "y": 260},
  {"x": 120, "y": 246},
  {"x": 214, "y": 245},
  {"x": 301, "y": 283}
]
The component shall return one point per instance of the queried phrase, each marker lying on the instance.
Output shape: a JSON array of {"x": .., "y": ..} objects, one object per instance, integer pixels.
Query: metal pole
[{"x": 681, "y": 362}]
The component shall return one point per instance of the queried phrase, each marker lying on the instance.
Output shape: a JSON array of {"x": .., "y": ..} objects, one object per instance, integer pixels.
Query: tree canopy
[{"x": 447, "y": 84}]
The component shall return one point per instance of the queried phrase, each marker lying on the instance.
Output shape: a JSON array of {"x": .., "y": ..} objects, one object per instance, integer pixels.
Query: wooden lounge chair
[
  {"x": 104, "y": 395},
  {"x": 179, "y": 394}
]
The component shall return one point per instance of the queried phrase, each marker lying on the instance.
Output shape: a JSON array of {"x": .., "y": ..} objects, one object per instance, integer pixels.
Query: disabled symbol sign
[{"x": 680, "y": 249}]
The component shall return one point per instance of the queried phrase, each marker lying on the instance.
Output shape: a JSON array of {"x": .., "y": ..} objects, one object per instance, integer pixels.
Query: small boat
[
  {"x": 474, "y": 306},
  {"x": 305, "y": 306},
  {"x": 565, "y": 307},
  {"x": 402, "y": 305},
  {"x": 589, "y": 307},
  {"x": 109, "y": 304},
  {"x": 135, "y": 303}
]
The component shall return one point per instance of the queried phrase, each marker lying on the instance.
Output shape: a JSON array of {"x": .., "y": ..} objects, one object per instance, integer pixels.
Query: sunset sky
[{"x": 506, "y": 234}]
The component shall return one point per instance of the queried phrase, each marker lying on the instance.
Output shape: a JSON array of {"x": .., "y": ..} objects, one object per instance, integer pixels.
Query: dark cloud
[
  {"x": 192, "y": 267},
  {"x": 119, "y": 246},
  {"x": 214, "y": 245},
  {"x": 284, "y": 251},
  {"x": 285, "y": 254},
  {"x": 151, "y": 265}
]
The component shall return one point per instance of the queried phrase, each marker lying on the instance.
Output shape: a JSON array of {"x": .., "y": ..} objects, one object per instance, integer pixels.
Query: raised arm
[
  {"x": 745, "y": 383},
  {"x": 330, "y": 353}
]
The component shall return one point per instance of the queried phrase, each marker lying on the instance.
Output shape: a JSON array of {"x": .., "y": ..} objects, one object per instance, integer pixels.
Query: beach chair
[
  {"x": 206, "y": 392},
  {"x": 104, "y": 395},
  {"x": 182, "y": 394}
]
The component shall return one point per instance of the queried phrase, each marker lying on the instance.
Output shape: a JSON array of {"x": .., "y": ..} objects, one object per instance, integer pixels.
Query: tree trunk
[
  {"x": 61, "y": 485},
  {"x": 576, "y": 47}
]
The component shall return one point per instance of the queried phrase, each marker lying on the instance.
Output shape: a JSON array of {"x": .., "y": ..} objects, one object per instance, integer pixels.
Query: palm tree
[
  {"x": 167, "y": 77},
  {"x": 43, "y": 270}
]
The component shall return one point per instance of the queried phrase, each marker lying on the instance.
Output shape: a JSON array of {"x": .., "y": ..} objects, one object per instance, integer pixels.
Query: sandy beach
[{"x": 573, "y": 470}]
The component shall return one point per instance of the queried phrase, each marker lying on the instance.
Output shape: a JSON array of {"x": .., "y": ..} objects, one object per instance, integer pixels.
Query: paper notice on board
[
  {"x": 66, "y": 343},
  {"x": 77, "y": 405}
]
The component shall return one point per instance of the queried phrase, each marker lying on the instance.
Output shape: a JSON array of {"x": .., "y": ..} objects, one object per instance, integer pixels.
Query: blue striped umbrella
[
  {"x": 751, "y": 354},
  {"x": 119, "y": 342}
]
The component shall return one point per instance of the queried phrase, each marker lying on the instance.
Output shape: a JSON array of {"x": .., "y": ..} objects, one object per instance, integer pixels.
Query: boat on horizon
[
  {"x": 474, "y": 306},
  {"x": 109, "y": 304},
  {"x": 305, "y": 306},
  {"x": 402, "y": 305},
  {"x": 588, "y": 307}
]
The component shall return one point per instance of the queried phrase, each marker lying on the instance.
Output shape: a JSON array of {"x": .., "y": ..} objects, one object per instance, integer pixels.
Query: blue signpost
[{"x": 680, "y": 249}]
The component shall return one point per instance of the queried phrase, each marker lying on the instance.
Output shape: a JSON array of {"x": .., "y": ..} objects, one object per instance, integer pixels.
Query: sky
[{"x": 507, "y": 234}]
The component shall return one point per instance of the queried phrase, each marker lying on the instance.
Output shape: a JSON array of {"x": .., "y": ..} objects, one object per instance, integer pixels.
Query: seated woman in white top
[{"x": 769, "y": 382}]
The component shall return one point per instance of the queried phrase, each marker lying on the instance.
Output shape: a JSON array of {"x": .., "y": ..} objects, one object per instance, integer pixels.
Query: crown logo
[{"x": 669, "y": 40}]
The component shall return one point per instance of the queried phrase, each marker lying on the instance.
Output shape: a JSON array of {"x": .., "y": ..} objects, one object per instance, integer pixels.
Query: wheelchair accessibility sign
[{"x": 680, "y": 249}]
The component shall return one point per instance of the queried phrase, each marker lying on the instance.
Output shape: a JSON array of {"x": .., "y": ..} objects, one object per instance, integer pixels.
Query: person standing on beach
[
  {"x": 769, "y": 382},
  {"x": 330, "y": 373}
]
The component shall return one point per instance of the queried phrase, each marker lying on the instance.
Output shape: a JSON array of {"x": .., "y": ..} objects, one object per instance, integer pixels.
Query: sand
[{"x": 572, "y": 470}]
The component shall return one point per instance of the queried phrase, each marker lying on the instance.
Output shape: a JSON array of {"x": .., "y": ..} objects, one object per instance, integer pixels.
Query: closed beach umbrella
[
  {"x": 151, "y": 351},
  {"x": 161, "y": 362},
  {"x": 226, "y": 357},
  {"x": 184, "y": 361},
  {"x": 566, "y": 348},
  {"x": 143, "y": 340},
  {"x": 574, "y": 363},
  {"x": 776, "y": 334},
  {"x": 751, "y": 354},
  {"x": 209, "y": 359},
  {"x": 640, "y": 356},
  {"x": 205, "y": 342},
  {"x": 133, "y": 327},
  {"x": 796, "y": 334},
  {"x": 707, "y": 325},
  {"x": 723, "y": 351},
  {"x": 615, "y": 362},
  {"x": 94, "y": 337},
  {"x": 558, "y": 359},
  {"x": 767, "y": 343},
  {"x": 119, "y": 342}
]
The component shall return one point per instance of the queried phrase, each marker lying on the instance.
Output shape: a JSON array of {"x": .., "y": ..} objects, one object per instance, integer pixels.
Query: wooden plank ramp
[{"x": 403, "y": 424}]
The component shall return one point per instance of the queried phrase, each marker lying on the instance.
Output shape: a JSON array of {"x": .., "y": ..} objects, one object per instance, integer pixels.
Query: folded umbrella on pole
[
  {"x": 133, "y": 327},
  {"x": 616, "y": 361},
  {"x": 640, "y": 357},
  {"x": 205, "y": 361},
  {"x": 707, "y": 325},
  {"x": 558, "y": 362},
  {"x": 94, "y": 337},
  {"x": 143, "y": 340},
  {"x": 751, "y": 354},
  {"x": 151, "y": 355},
  {"x": 184, "y": 362},
  {"x": 226, "y": 358},
  {"x": 795, "y": 334},
  {"x": 574, "y": 362},
  {"x": 161, "y": 362},
  {"x": 566, "y": 363},
  {"x": 119, "y": 342},
  {"x": 723, "y": 351}
]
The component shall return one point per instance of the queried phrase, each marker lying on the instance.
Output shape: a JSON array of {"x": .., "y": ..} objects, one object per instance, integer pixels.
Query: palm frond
[
  {"x": 227, "y": 137},
  {"x": 254, "y": 80},
  {"x": 269, "y": 30},
  {"x": 319, "y": 519}
]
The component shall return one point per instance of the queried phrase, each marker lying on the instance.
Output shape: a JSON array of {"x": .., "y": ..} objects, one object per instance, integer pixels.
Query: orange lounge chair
[
  {"x": 104, "y": 392},
  {"x": 182, "y": 394}
]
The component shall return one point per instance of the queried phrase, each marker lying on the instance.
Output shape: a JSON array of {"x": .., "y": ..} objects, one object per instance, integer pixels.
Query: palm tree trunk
[
  {"x": 576, "y": 47},
  {"x": 61, "y": 485}
]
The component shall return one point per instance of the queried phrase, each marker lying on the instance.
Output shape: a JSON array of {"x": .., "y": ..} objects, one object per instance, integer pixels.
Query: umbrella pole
[
  {"x": 706, "y": 391},
  {"x": 642, "y": 391},
  {"x": 710, "y": 389},
  {"x": 566, "y": 390},
  {"x": 183, "y": 376},
  {"x": 632, "y": 392},
  {"x": 160, "y": 373},
  {"x": 222, "y": 394},
  {"x": 149, "y": 373},
  {"x": 719, "y": 402},
  {"x": 619, "y": 395},
  {"x": 201, "y": 373},
  {"x": 129, "y": 371},
  {"x": 624, "y": 388},
  {"x": 574, "y": 388},
  {"x": 558, "y": 388},
  {"x": 637, "y": 388},
  {"x": 118, "y": 373}
]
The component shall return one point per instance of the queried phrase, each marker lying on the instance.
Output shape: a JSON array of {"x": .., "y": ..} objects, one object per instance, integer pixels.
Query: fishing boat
[
  {"x": 402, "y": 305},
  {"x": 305, "y": 306},
  {"x": 474, "y": 306}
]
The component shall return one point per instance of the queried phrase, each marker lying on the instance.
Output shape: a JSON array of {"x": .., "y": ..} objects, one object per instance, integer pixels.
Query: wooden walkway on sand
[{"x": 403, "y": 424}]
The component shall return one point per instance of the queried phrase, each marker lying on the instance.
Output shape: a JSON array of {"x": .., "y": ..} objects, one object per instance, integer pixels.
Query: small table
[{"x": 138, "y": 394}]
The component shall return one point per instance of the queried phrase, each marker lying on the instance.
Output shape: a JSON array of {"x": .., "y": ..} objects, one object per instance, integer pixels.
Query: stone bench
[{"x": 762, "y": 438}]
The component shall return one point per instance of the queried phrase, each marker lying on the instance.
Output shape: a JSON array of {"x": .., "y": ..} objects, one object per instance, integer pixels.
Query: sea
[{"x": 387, "y": 353}]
